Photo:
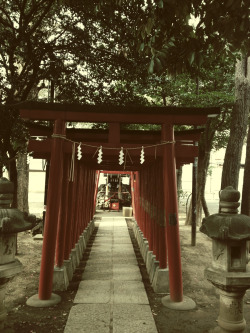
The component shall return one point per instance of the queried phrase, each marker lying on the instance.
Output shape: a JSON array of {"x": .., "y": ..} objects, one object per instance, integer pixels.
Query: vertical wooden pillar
[
  {"x": 80, "y": 198},
  {"x": 97, "y": 177},
  {"x": 74, "y": 212},
  {"x": 171, "y": 210},
  {"x": 149, "y": 231},
  {"x": 194, "y": 200},
  {"x": 51, "y": 219},
  {"x": 85, "y": 196},
  {"x": 68, "y": 241},
  {"x": 143, "y": 190},
  {"x": 88, "y": 196},
  {"x": 92, "y": 194},
  {"x": 93, "y": 201},
  {"x": 132, "y": 187},
  {"x": 78, "y": 202},
  {"x": 136, "y": 200},
  {"x": 154, "y": 189},
  {"x": 63, "y": 215},
  {"x": 161, "y": 224},
  {"x": 138, "y": 180}
]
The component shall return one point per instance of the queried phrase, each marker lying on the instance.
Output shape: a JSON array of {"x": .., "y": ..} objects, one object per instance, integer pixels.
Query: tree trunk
[
  {"x": 231, "y": 166},
  {"x": 205, "y": 146},
  {"x": 203, "y": 165},
  {"x": 22, "y": 183},
  {"x": 245, "y": 202},
  {"x": 13, "y": 178}
]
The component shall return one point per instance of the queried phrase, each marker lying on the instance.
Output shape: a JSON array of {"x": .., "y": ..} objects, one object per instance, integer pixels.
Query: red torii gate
[{"x": 68, "y": 212}]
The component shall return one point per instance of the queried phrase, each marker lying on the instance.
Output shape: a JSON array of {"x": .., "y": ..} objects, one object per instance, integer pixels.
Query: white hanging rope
[
  {"x": 111, "y": 148},
  {"x": 79, "y": 151},
  {"x": 100, "y": 149}
]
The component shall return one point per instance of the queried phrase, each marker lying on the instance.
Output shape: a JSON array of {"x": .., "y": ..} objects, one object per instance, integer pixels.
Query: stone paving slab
[
  {"x": 97, "y": 267},
  {"x": 133, "y": 318},
  {"x": 126, "y": 253},
  {"x": 100, "y": 255},
  {"x": 124, "y": 260},
  {"x": 130, "y": 292},
  {"x": 111, "y": 297},
  {"x": 103, "y": 240},
  {"x": 105, "y": 274},
  {"x": 93, "y": 291},
  {"x": 104, "y": 261},
  {"x": 89, "y": 318},
  {"x": 122, "y": 253},
  {"x": 101, "y": 246},
  {"x": 117, "y": 246},
  {"x": 124, "y": 272}
]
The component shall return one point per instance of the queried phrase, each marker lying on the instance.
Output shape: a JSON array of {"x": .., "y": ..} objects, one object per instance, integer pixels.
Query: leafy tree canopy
[
  {"x": 101, "y": 51},
  {"x": 175, "y": 33}
]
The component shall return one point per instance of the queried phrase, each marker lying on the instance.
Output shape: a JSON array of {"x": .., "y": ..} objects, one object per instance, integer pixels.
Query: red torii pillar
[
  {"x": 45, "y": 296},
  {"x": 62, "y": 227},
  {"x": 97, "y": 177},
  {"x": 132, "y": 191},
  {"x": 62, "y": 221},
  {"x": 176, "y": 299}
]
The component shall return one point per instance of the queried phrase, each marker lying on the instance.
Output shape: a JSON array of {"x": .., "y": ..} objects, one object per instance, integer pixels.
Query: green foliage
[
  {"x": 84, "y": 52},
  {"x": 183, "y": 196},
  {"x": 13, "y": 134},
  {"x": 103, "y": 51},
  {"x": 176, "y": 34}
]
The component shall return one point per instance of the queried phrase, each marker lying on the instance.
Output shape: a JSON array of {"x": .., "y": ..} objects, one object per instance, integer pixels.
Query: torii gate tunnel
[{"x": 73, "y": 183}]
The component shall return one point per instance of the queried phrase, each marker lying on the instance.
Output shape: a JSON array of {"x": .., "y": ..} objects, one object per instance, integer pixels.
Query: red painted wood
[
  {"x": 184, "y": 154},
  {"x": 51, "y": 220},
  {"x": 133, "y": 192},
  {"x": 107, "y": 114},
  {"x": 114, "y": 134},
  {"x": 153, "y": 176},
  {"x": 118, "y": 117},
  {"x": 171, "y": 209},
  {"x": 63, "y": 215},
  {"x": 97, "y": 177},
  {"x": 125, "y": 136},
  {"x": 74, "y": 220},
  {"x": 161, "y": 228},
  {"x": 78, "y": 202},
  {"x": 92, "y": 210},
  {"x": 82, "y": 192},
  {"x": 138, "y": 181},
  {"x": 68, "y": 239}
]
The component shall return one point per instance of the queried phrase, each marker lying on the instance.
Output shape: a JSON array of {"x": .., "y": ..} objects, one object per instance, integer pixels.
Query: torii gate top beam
[{"x": 114, "y": 114}]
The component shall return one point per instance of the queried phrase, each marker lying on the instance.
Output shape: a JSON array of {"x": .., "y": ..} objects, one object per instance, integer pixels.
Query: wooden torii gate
[{"x": 71, "y": 202}]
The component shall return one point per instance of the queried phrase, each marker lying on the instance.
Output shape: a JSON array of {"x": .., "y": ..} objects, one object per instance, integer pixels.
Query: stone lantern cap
[
  {"x": 12, "y": 220},
  {"x": 227, "y": 225}
]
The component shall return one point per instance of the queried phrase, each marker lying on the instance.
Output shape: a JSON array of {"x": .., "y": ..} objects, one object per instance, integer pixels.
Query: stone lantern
[
  {"x": 230, "y": 273},
  {"x": 12, "y": 221}
]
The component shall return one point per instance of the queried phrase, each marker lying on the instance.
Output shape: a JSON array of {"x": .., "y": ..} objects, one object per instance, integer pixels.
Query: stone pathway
[{"x": 111, "y": 297}]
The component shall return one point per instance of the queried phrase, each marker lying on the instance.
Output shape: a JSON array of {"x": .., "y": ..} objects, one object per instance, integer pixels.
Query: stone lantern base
[
  {"x": 232, "y": 287},
  {"x": 231, "y": 312},
  {"x": 7, "y": 272}
]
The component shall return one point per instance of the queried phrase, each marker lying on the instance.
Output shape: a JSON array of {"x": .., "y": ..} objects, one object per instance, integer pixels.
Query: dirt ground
[{"x": 24, "y": 319}]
